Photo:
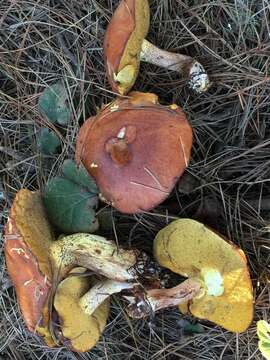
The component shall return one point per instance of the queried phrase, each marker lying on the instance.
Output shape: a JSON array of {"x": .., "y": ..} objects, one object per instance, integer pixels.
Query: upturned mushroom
[
  {"x": 136, "y": 149},
  {"x": 218, "y": 287},
  {"x": 28, "y": 237},
  {"x": 125, "y": 45},
  {"x": 37, "y": 264}
]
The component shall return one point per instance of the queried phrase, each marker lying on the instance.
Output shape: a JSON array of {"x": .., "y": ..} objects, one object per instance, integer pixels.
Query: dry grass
[{"x": 42, "y": 41}]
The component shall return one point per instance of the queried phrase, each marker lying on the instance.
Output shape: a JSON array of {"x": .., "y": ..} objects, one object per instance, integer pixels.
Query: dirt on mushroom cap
[
  {"x": 28, "y": 237},
  {"x": 81, "y": 331},
  {"x": 123, "y": 39},
  {"x": 160, "y": 151},
  {"x": 186, "y": 247}
]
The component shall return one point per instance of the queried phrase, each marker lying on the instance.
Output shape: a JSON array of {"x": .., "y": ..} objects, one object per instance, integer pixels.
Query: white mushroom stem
[
  {"x": 198, "y": 78},
  {"x": 100, "y": 292},
  {"x": 142, "y": 305},
  {"x": 98, "y": 254}
]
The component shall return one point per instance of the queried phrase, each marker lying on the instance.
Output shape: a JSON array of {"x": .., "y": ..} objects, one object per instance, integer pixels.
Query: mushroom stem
[
  {"x": 100, "y": 255},
  {"x": 143, "y": 304},
  {"x": 119, "y": 152},
  {"x": 198, "y": 78},
  {"x": 100, "y": 292}
]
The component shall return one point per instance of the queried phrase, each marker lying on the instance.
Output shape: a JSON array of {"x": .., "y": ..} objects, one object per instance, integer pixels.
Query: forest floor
[{"x": 226, "y": 185}]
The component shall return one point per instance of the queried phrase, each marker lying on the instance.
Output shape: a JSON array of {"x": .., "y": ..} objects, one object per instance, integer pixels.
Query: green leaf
[
  {"x": 79, "y": 175},
  {"x": 263, "y": 332},
  {"x": 48, "y": 141},
  {"x": 70, "y": 207},
  {"x": 53, "y": 104},
  {"x": 71, "y": 200},
  {"x": 193, "y": 328},
  {"x": 189, "y": 327}
]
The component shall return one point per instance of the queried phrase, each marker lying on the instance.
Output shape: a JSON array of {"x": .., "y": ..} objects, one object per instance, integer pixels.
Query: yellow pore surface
[
  {"x": 31, "y": 220},
  {"x": 81, "y": 331},
  {"x": 130, "y": 60},
  {"x": 187, "y": 247}
]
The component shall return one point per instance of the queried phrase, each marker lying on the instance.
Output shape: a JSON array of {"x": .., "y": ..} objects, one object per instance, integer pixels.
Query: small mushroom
[
  {"x": 136, "y": 149},
  {"x": 218, "y": 288},
  {"x": 78, "y": 330},
  {"x": 125, "y": 45},
  {"x": 28, "y": 237}
]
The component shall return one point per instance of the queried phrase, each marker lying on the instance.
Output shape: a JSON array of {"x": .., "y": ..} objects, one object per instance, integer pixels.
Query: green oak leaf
[
  {"x": 263, "y": 332},
  {"x": 48, "y": 141},
  {"x": 53, "y": 104},
  {"x": 70, "y": 201}
]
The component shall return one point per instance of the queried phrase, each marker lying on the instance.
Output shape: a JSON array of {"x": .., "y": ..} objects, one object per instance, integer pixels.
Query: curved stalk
[
  {"x": 186, "y": 65},
  {"x": 95, "y": 253},
  {"x": 100, "y": 255},
  {"x": 144, "y": 304}
]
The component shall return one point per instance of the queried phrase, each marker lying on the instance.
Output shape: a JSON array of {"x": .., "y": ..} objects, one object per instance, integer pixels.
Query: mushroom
[
  {"x": 218, "y": 288},
  {"x": 28, "y": 237},
  {"x": 36, "y": 264},
  {"x": 78, "y": 330},
  {"x": 125, "y": 45},
  {"x": 136, "y": 149}
]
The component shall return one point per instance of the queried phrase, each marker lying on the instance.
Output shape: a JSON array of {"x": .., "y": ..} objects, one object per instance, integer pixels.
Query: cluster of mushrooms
[{"x": 64, "y": 285}]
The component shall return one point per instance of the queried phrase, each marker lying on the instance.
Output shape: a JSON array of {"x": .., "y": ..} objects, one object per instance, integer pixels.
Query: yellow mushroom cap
[
  {"x": 191, "y": 249},
  {"x": 81, "y": 331},
  {"x": 123, "y": 43}
]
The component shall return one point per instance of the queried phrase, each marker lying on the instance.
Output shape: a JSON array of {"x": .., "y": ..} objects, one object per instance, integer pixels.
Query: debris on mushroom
[
  {"x": 191, "y": 249},
  {"x": 77, "y": 329},
  {"x": 28, "y": 237},
  {"x": 119, "y": 268},
  {"x": 144, "y": 303},
  {"x": 139, "y": 147},
  {"x": 125, "y": 45}
]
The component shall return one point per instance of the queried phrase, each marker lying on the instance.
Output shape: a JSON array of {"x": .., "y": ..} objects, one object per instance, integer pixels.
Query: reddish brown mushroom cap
[
  {"x": 123, "y": 41},
  {"x": 136, "y": 149},
  {"x": 27, "y": 240},
  {"x": 29, "y": 282}
]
